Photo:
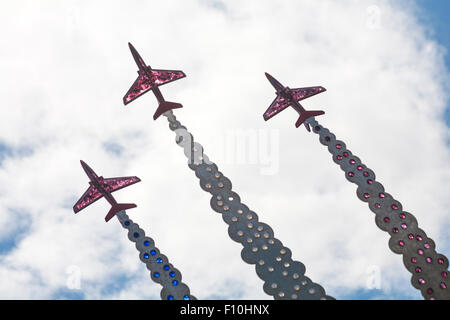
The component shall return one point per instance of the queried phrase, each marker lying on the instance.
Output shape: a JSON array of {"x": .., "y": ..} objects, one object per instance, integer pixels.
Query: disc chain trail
[
  {"x": 283, "y": 278},
  {"x": 161, "y": 271},
  {"x": 429, "y": 269}
]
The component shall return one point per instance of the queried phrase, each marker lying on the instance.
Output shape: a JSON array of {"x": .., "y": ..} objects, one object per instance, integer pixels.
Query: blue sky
[
  {"x": 435, "y": 14},
  {"x": 62, "y": 112}
]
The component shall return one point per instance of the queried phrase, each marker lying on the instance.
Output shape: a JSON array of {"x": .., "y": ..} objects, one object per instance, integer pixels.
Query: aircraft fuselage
[{"x": 97, "y": 182}]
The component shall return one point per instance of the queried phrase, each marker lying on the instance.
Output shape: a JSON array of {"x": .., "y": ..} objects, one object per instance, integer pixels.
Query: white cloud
[{"x": 66, "y": 66}]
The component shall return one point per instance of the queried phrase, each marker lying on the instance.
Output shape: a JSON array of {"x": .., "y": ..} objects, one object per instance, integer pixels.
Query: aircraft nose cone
[
  {"x": 270, "y": 78},
  {"x": 84, "y": 164},
  {"x": 132, "y": 49}
]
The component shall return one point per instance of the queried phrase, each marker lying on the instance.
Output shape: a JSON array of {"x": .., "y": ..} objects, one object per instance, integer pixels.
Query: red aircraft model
[
  {"x": 150, "y": 79},
  {"x": 101, "y": 187},
  {"x": 290, "y": 97}
]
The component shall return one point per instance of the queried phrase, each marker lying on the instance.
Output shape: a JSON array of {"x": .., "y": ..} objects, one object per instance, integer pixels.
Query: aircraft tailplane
[
  {"x": 117, "y": 208},
  {"x": 166, "y": 106},
  {"x": 307, "y": 114}
]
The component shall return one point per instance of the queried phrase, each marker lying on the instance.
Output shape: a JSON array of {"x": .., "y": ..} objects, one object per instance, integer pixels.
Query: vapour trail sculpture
[
  {"x": 429, "y": 269},
  {"x": 161, "y": 271},
  {"x": 283, "y": 278}
]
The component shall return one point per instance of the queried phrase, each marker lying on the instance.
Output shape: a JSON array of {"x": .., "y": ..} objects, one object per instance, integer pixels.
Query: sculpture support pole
[
  {"x": 429, "y": 269},
  {"x": 283, "y": 278},
  {"x": 161, "y": 271}
]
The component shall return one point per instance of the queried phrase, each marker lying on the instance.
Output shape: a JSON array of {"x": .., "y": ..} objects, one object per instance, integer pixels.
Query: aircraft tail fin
[
  {"x": 166, "y": 106},
  {"x": 307, "y": 114},
  {"x": 117, "y": 208}
]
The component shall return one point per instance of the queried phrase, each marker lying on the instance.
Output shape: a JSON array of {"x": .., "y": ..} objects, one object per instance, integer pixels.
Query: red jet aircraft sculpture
[
  {"x": 150, "y": 79},
  {"x": 101, "y": 187},
  {"x": 290, "y": 97}
]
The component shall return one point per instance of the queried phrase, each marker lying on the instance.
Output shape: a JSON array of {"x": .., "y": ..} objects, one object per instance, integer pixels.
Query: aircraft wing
[
  {"x": 113, "y": 184},
  {"x": 303, "y": 93},
  {"x": 160, "y": 77},
  {"x": 277, "y": 105},
  {"x": 90, "y": 196},
  {"x": 143, "y": 83},
  {"x": 139, "y": 87}
]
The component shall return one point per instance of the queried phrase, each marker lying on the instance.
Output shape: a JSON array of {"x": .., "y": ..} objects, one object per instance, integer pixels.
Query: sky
[{"x": 65, "y": 67}]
